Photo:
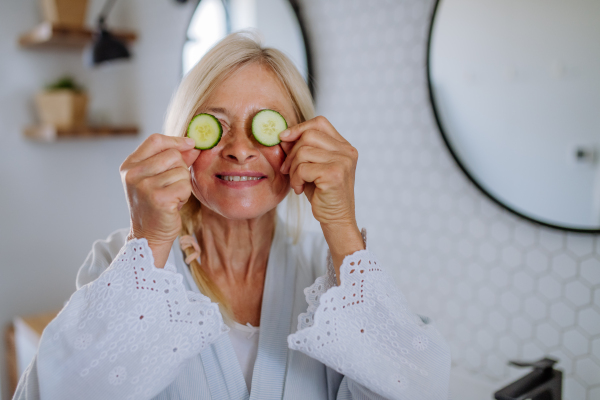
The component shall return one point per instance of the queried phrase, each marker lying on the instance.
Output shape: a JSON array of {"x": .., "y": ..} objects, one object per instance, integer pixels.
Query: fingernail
[
  {"x": 190, "y": 141},
  {"x": 284, "y": 134},
  {"x": 281, "y": 169}
]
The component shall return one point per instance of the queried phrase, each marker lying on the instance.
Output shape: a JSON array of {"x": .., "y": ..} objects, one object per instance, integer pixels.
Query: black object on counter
[{"x": 543, "y": 383}]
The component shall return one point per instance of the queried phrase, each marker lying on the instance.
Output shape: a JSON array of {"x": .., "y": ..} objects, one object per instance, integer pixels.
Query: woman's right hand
[{"x": 157, "y": 184}]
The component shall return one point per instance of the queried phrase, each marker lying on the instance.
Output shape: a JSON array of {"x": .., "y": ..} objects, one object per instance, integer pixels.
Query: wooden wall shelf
[
  {"x": 47, "y": 35},
  {"x": 46, "y": 133}
]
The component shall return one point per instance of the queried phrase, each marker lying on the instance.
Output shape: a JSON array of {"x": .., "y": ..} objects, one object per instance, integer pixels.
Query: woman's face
[{"x": 250, "y": 89}]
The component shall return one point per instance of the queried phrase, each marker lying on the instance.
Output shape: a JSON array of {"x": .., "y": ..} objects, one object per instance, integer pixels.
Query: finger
[
  {"x": 311, "y": 155},
  {"x": 158, "y": 163},
  {"x": 306, "y": 173},
  {"x": 169, "y": 177},
  {"x": 319, "y": 123},
  {"x": 287, "y": 147},
  {"x": 157, "y": 143},
  {"x": 311, "y": 138},
  {"x": 181, "y": 190},
  {"x": 190, "y": 156},
  {"x": 172, "y": 196}
]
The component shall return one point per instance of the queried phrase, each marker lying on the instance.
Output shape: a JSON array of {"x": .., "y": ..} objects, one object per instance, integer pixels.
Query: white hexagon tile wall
[{"x": 499, "y": 287}]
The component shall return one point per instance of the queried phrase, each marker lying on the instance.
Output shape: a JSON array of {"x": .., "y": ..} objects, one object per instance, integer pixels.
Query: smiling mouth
[{"x": 237, "y": 178}]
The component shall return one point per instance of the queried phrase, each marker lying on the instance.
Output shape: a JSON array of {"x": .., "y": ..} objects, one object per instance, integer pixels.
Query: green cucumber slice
[
  {"x": 266, "y": 127},
  {"x": 206, "y": 130}
]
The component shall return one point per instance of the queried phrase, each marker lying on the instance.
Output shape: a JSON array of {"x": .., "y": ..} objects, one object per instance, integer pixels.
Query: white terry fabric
[
  {"x": 132, "y": 331},
  {"x": 244, "y": 339}
]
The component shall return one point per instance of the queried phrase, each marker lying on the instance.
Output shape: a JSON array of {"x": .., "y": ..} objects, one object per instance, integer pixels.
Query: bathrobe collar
[{"x": 223, "y": 372}]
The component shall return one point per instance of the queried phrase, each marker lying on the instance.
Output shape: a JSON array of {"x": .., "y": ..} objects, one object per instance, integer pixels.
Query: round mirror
[
  {"x": 276, "y": 21},
  {"x": 515, "y": 87}
]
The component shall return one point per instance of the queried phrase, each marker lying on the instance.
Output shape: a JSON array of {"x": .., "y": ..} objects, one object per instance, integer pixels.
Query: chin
[
  {"x": 241, "y": 215},
  {"x": 241, "y": 211},
  {"x": 241, "y": 206}
]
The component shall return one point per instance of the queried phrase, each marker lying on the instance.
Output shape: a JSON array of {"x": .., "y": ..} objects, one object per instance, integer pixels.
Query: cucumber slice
[
  {"x": 266, "y": 127},
  {"x": 206, "y": 130}
]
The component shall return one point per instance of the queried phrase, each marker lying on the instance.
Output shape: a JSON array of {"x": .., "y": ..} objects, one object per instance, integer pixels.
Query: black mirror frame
[
  {"x": 307, "y": 47},
  {"x": 457, "y": 159}
]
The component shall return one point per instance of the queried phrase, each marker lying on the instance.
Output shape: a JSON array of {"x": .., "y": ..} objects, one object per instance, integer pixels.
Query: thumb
[
  {"x": 309, "y": 191},
  {"x": 287, "y": 147},
  {"x": 190, "y": 156}
]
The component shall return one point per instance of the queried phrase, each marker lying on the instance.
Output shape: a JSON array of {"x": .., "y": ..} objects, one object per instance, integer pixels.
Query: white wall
[
  {"x": 498, "y": 287},
  {"x": 56, "y": 199}
]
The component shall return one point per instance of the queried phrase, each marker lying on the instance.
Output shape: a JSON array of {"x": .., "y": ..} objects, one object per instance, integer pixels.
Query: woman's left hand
[{"x": 322, "y": 164}]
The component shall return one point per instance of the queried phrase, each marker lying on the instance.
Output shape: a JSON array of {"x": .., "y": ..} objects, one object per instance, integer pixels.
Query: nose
[{"x": 239, "y": 147}]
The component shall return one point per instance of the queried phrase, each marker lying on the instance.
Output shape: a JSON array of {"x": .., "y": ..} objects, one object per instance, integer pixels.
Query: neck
[{"x": 236, "y": 251}]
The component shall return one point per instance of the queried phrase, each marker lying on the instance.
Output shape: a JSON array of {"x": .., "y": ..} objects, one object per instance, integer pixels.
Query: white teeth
[{"x": 236, "y": 178}]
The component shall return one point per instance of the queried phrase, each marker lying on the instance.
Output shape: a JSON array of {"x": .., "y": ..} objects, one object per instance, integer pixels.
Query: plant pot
[
  {"x": 65, "y": 12},
  {"x": 62, "y": 109}
]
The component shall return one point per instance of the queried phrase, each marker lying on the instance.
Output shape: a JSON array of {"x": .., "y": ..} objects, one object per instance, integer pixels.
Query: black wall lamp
[{"x": 105, "y": 46}]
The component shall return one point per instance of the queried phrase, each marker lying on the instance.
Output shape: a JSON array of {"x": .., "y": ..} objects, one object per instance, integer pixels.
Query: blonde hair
[{"x": 231, "y": 53}]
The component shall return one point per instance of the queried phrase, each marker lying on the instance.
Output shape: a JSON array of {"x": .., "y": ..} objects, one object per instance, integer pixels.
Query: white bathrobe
[{"x": 133, "y": 331}]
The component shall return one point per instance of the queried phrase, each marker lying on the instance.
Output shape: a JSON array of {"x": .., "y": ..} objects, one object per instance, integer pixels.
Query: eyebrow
[
  {"x": 217, "y": 110},
  {"x": 221, "y": 110}
]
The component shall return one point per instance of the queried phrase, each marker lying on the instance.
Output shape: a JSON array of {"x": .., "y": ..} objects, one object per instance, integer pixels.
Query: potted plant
[
  {"x": 63, "y": 104},
  {"x": 70, "y": 13}
]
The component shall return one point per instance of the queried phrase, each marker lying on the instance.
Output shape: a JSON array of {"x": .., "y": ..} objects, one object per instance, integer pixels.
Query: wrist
[
  {"x": 160, "y": 249},
  {"x": 343, "y": 239},
  {"x": 344, "y": 231},
  {"x": 340, "y": 226}
]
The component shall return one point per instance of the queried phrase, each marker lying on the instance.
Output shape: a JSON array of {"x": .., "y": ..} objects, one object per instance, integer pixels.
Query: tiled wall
[{"x": 498, "y": 286}]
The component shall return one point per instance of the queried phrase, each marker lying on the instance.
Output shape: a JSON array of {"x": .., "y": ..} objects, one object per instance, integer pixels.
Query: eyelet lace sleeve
[
  {"x": 125, "y": 334},
  {"x": 365, "y": 330}
]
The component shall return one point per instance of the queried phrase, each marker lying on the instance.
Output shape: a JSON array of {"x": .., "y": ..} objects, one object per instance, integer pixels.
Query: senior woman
[{"x": 205, "y": 295}]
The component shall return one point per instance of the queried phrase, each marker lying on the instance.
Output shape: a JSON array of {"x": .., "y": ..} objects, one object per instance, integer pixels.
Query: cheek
[
  {"x": 201, "y": 168},
  {"x": 275, "y": 156}
]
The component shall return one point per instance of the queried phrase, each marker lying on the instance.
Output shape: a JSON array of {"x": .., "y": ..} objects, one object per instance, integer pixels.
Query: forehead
[{"x": 249, "y": 89}]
